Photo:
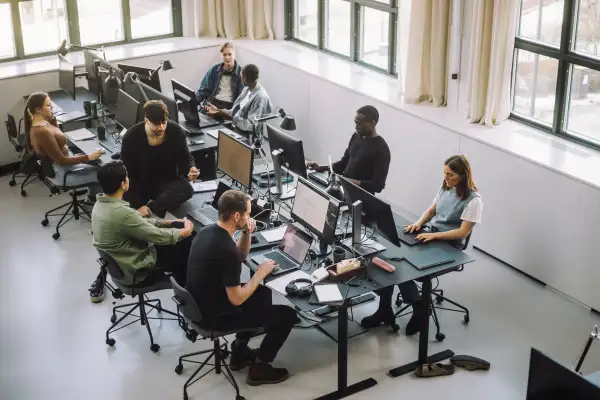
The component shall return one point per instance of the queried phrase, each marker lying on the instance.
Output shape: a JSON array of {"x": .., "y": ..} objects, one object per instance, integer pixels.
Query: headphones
[{"x": 294, "y": 291}]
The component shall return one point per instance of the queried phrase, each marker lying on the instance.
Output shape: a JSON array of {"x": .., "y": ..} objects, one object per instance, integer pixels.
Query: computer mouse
[
  {"x": 253, "y": 239},
  {"x": 116, "y": 156}
]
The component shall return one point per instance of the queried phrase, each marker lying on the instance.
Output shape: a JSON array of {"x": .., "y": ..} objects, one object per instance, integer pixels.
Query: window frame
[
  {"x": 355, "y": 31},
  {"x": 567, "y": 58},
  {"x": 74, "y": 33}
]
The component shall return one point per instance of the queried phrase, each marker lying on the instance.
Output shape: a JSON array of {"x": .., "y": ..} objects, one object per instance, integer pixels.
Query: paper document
[
  {"x": 80, "y": 134},
  {"x": 279, "y": 284},
  {"x": 328, "y": 293},
  {"x": 274, "y": 235},
  {"x": 208, "y": 186}
]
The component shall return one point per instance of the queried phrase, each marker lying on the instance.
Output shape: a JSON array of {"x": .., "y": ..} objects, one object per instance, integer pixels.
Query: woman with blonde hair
[{"x": 456, "y": 209}]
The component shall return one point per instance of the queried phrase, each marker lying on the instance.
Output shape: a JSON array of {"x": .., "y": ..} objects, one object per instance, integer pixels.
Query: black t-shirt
[{"x": 214, "y": 264}]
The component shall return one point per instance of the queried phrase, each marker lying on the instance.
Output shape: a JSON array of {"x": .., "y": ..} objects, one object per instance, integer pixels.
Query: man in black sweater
[
  {"x": 158, "y": 162},
  {"x": 366, "y": 161}
]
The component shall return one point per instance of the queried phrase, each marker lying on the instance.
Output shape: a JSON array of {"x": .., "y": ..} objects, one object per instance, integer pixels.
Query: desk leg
[
  {"x": 423, "y": 341},
  {"x": 343, "y": 389}
]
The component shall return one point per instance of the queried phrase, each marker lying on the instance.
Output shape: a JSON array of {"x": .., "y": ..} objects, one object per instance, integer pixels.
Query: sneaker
[
  {"x": 97, "y": 289},
  {"x": 261, "y": 373},
  {"x": 380, "y": 317},
  {"x": 241, "y": 356},
  {"x": 416, "y": 321}
]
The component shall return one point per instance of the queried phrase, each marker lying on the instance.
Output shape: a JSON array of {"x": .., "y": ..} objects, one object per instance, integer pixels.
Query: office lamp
[
  {"x": 165, "y": 65},
  {"x": 132, "y": 77},
  {"x": 594, "y": 335},
  {"x": 65, "y": 48}
]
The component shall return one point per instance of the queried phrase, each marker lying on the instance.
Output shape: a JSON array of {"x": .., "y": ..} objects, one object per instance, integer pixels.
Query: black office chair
[
  {"x": 153, "y": 283},
  {"x": 187, "y": 306},
  {"x": 75, "y": 208},
  {"x": 28, "y": 168},
  {"x": 437, "y": 298}
]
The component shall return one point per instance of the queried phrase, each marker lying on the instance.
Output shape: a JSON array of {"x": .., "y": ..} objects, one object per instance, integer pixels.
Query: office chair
[
  {"x": 74, "y": 208},
  {"x": 28, "y": 167},
  {"x": 140, "y": 290},
  {"x": 187, "y": 306},
  {"x": 437, "y": 297}
]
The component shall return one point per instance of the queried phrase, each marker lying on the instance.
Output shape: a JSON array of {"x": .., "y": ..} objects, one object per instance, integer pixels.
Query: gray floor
[{"x": 52, "y": 337}]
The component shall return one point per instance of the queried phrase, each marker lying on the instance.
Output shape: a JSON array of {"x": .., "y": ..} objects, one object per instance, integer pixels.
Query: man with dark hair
[
  {"x": 214, "y": 270},
  {"x": 366, "y": 161},
  {"x": 159, "y": 163},
  {"x": 253, "y": 102},
  {"x": 134, "y": 242}
]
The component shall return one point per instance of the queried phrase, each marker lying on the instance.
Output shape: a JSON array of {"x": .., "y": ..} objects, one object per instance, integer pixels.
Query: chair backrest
[
  {"x": 11, "y": 126},
  {"x": 46, "y": 167},
  {"x": 112, "y": 266},
  {"x": 187, "y": 304},
  {"x": 467, "y": 241}
]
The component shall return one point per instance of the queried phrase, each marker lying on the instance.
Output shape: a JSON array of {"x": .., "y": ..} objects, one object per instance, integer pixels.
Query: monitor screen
[
  {"x": 316, "y": 210},
  {"x": 291, "y": 147},
  {"x": 186, "y": 101},
  {"x": 235, "y": 158},
  {"x": 110, "y": 95},
  {"x": 295, "y": 243},
  {"x": 134, "y": 91},
  {"x": 144, "y": 74},
  {"x": 127, "y": 110},
  {"x": 66, "y": 76},
  {"x": 90, "y": 57}
]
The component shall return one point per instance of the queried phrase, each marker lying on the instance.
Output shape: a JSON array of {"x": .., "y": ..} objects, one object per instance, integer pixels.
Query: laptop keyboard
[
  {"x": 282, "y": 261},
  {"x": 110, "y": 144},
  {"x": 408, "y": 238},
  {"x": 210, "y": 213},
  {"x": 322, "y": 178}
]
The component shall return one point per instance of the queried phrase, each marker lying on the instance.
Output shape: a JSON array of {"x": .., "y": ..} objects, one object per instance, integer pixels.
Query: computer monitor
[
  {"x": 90, "y": 57},
  {"x": 235, "y": 159},
  {"x": 66, "y": 76},
  {"x": 134, "y": 91},
  {"x": 186, "y": 101},
  {"x": 127, "y": 110},
  {"x": 291, "y": 150},
  {"x": 104, "y": 73},
  {"x": 376, "y": 210},
  {"x": 550, "y": 380},
  {"x": 316, "y": 211},
  {"x": 144, "y": 74}
]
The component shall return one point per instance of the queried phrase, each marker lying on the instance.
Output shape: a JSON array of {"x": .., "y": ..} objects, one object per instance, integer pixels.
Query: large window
[
  {"x": 556, "y": 74},
  {"x": 34, "y": 27},
  {"x": 362, "y": 31}
]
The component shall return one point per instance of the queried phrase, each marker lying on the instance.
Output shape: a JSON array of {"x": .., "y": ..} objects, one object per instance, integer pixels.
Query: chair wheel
[
  {"x": 224, "y": 353},
  {"x": 440, "y": 337},
  {"x": 55, "y": 236},
  {"x": 466, "y": 319},
  {"x": 12, "y": 182},
  {"x": 45, "y": 222},
  {"x": 439, "y": 300},
  {"x": 398, "y": 303},
  {"x": 179, "y": 369},
  {"x": 240, "y": 398},
  {"x": 113, "y": 318},
  {"x": 185, "y": 396},
  {"x": 117, "y": 294},
  {"x": 395, "y": 327},
  {"x": 154, "y": 347},
  {"x": 110, "y": 342}
]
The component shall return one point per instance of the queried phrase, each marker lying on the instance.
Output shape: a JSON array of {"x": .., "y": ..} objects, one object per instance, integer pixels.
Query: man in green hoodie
[{"x": 134, "y": 242}]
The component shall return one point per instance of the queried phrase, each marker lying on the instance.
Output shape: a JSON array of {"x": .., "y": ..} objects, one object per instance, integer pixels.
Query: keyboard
[
  {"x": 56, "y": 110},
  {"x": 282, "y": 261},
  {"x": 209, "y": 213},
  {"x": 321, "y": 177},
  {"x": 408, "y": 238},
  {"x": 110, "y": 144}
]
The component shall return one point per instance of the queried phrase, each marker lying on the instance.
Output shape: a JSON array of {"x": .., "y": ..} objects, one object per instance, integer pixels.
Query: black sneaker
[
  {"x": 97, "y": 288},
  {"x": 241, "y": 356},
  {"x": 380, "y": 317},
  {"x": 264, "y": 374},
  {"x": 417, "y": 318}
]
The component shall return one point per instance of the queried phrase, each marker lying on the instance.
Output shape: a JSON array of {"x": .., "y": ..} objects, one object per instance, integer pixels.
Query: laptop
[
  {"x": 290, "y": 254},
  {"x": 70, "y": 116},
  {"x": 427, "y": 257},
  {"x": 209, "y": 214}
]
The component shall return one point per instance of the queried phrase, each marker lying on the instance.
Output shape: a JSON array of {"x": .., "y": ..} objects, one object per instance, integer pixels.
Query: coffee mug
[
  {"x": 87, "y": 107},
  {"x": 339, "y": 254},
  {"x": 101, "y": 132},
  {"x": 93, "y": 108}
]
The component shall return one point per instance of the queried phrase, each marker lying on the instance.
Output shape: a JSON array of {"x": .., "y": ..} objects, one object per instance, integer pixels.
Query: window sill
[
  {"x": 560, "y": 155},
  {"x": 43, "y": 64}
]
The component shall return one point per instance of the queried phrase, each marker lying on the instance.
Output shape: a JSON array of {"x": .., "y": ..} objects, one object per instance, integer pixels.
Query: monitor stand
[{"x": 354, "y": 243}]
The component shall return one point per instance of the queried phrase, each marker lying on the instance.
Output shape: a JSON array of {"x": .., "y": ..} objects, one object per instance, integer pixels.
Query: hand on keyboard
[
  {"x": 266, "y": 268},
  {"x": 412, "y": 228},
  {"x": 96, "y": 154}
]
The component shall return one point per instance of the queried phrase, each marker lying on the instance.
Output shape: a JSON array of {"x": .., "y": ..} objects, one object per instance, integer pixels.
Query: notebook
[
  {"x": 329, "y": 293},
  {"x": 80, "y": 134}
]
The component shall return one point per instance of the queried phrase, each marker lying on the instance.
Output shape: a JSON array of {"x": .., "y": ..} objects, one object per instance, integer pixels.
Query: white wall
[
  {"x": 189, "y": 66},
  {"x": 545, "y": 225}
]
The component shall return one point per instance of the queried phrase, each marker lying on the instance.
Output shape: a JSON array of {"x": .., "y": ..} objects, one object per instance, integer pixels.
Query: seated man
[
  {"x": 253, "y": 102},
  {"x": 133, "y": 241},
  {"x": 366, "y": 161},
  {"x": 157, "y": 158},
  {"x": 222, "y": 84},
  {"x": 214, "y": 270}
]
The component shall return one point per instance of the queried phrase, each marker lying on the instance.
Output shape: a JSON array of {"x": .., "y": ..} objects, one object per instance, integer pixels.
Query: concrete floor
[{"x": 52, "y": 337}]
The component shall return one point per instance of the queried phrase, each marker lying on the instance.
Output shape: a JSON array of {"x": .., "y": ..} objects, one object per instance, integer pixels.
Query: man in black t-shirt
[
  {"x": 366, "y": 161},
  {"x": 214, "y": 269}
]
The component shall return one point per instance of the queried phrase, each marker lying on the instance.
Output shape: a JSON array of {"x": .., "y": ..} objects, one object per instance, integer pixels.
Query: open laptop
[
  {"x": 209, "y": 214},
  {"x": 290, "y": 254}
]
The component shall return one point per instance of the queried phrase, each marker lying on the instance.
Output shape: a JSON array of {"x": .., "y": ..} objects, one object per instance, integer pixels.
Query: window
[
  {"x": 556, "y": 75},
  {"x": 37, "y": 27},
  {"x": 363, "y": 31}
]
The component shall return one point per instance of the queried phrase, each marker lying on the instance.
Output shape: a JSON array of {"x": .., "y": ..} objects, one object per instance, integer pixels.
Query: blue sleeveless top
[{"x": 449, "y": 209}]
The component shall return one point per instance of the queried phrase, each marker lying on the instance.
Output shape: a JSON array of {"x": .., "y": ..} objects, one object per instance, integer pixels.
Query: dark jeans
[
  {"x": 174, "y": 259},
  {"x": 260, "y": 312},
  {"x": 408, "y": 291},
  {"x": 165, "y": 196},
  {"x": 222, "y": 104}
]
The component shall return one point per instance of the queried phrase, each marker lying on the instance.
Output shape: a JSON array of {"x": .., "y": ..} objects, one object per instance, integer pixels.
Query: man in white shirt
[{"x": 222, "y": 84}]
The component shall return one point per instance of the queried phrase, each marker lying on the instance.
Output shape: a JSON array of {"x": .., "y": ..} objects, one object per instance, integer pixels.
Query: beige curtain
[
  {"x": 426, "y": 77},
  {"x": 493, "y": 29},
  {"x": 232, "y": 19}
]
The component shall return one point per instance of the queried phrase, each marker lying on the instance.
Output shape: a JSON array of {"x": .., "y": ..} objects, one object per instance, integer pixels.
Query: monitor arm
[
  {"x": 132, "y": 77},
  {"x": 595, "y": 335}
]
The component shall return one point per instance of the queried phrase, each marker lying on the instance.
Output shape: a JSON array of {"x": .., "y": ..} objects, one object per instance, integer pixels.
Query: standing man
[
  {"x": 222, "y": 84},
  {"x": 158, "y": 161},
  {"x": 366, "y": 161},
  {"x": 214, "y": 270}
]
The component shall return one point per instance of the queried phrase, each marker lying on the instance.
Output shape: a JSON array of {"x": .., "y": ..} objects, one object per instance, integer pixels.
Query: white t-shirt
[
  {"x": 225, "y": 92},
  {"x": 473, "y": 212}
]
